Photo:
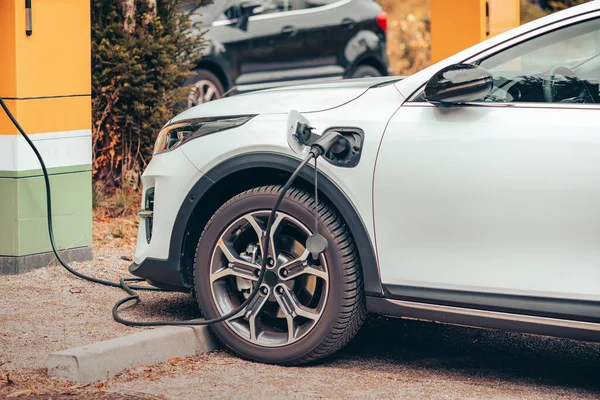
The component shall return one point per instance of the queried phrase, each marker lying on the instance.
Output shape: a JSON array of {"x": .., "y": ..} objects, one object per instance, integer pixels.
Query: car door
[
  {"x": 228, "y": 46},
  {"x": 295, "y": 41},
  {"x": 496, "y": 204},
  {"x": 327, "y": 26},
  {"x": 276, "y": 46}
]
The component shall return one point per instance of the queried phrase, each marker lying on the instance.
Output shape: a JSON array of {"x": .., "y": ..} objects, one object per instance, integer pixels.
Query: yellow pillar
[
  {"x": 459, "y": 24},
  {"x": 45, "y": 79}
]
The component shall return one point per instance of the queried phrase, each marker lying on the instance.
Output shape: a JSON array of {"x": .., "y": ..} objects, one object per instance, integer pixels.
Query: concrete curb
[{"x": 102, "y": 360}]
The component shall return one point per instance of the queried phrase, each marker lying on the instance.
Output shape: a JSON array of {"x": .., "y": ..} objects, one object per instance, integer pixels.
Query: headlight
[{"x": 174, "y": 135}]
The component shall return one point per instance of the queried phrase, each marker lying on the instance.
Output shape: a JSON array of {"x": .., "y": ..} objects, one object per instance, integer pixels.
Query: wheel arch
[
  {"x": 243, "y": 172},
  {"x": 372, "y": 60},
  {"x": 217, "y": 69}
]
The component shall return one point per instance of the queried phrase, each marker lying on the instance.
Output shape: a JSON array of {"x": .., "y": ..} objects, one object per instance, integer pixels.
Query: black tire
[
  {"x": 364, "y": 71},
  {"x": 343, "y": 313},
  {"x": 203, "y": 75}
]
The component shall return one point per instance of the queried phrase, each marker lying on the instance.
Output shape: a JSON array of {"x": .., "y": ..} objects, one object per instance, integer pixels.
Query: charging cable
[
  {"x": 316, "y": 244},
  {"x": 133, "y": 296},
  {"x": 49, "y": 210}
]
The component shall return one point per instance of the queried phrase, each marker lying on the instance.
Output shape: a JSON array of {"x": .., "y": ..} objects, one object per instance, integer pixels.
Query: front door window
[{"x": 558, "y": 67}]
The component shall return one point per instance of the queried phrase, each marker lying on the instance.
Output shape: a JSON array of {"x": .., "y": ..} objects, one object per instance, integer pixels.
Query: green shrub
[{"x": 138, "y": 65}]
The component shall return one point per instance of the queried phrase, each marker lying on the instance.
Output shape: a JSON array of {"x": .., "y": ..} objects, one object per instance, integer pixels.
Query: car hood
[{"x": 303, "y": 98}]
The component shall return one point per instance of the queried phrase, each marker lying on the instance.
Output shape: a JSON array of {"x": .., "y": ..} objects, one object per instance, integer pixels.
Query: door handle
[
  {"x": 348, "y": 23},
  {"x": 289, "y": 31}
]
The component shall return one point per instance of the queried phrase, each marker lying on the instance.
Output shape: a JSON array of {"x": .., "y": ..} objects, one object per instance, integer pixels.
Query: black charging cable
[
  {"x": 133, "y": 296},
  {"x": 316, "y": 151},
  {"x": 49, "y": 210}
]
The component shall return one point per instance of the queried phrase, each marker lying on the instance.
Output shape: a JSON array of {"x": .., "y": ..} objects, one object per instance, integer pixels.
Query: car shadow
[
  {"x": 162, "y": 306},
  {"x": 391, "y": 343},
  {"x": 476, "y": 352}
]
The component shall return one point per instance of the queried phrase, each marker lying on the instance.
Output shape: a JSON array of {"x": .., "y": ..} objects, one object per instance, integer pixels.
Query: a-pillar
[{"x": 45, "y": 81}]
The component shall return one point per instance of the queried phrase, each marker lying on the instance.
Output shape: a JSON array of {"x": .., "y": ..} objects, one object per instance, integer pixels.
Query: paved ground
[{"x": 43, "y": 311}]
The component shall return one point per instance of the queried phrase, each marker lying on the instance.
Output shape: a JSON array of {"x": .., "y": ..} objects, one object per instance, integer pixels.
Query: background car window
[
  {"x": 275, "y": 6},
  {"x": 562, "y": 66},
  {"x": 304, "y": 4},
  {"x": 260, "y": 7}
]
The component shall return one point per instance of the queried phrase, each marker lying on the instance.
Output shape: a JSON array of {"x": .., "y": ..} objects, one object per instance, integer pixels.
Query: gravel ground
[
  {"x": 394, "y": 359},
  {"x": 48, "y": 310}
]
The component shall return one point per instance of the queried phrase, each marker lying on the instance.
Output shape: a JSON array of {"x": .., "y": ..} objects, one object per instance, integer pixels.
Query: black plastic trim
[
  {"x": 169, "y": 271},
  {"x": 159, "y": 273},
  {"x": 568, "y": 309},
  {"x": 387, "y": 307}
]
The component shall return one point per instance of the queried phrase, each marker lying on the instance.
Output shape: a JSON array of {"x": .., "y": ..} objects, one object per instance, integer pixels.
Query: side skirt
[
  {"x": 565, "y": 309},
  {"x": 579, "y": 330}
]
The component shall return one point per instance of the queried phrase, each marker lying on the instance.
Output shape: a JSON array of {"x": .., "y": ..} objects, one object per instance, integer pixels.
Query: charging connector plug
[
  {"x": 335, "y": 142},
  {"x": 331, "y": 141}
]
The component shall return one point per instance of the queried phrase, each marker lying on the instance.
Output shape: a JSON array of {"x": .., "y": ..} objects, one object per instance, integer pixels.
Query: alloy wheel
[
  {"x": 202, "y": 92},
  {"x": 294, "y": 291}
]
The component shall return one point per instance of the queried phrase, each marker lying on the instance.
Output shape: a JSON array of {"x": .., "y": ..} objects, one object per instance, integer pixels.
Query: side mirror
[
  {"x": 242, "y": 22},
  {"x": 244, "y": 12},
  {"x": 458, "y": 83}
]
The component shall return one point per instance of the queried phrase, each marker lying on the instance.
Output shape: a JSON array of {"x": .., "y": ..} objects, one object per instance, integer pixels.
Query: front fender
[{"x": 285, "y": 164}]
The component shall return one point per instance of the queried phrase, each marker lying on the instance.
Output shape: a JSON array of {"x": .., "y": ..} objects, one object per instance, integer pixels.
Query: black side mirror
[
  {"x": 244, "y": 13},
  {"x": 242, "y": 22},
  {"x": 458, "y": 83}
]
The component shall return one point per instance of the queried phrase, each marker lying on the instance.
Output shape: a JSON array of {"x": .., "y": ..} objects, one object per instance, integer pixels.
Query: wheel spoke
[
  {"x": 253, "y": 310},
  {"x": 290, "y": 305},
  {"x": 234, "y": 270},
  {"x": 233, "y": 257},
  {"x": 257, "y": 229},
  {"x": 299, "y": 266},
  {"x": 291, "y": 327},
  {"x": 289, "y": 316},
  {"x": 201, "y": 91},
  {"x": 193, "y": 97},
  {"x": 236, "y": 266},
  {"x": 209, "y": 94}
]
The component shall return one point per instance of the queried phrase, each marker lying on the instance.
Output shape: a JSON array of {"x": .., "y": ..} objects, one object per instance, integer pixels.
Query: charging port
[{"x": 347, "y": 156}]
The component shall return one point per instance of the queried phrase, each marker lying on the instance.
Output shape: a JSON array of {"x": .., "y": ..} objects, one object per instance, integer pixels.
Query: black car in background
[{"x": 261, "y": 44}]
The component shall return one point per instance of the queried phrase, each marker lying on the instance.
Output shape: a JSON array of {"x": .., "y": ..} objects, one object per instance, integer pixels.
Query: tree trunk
[
  {"x": 129, "y": 14},
  {"x": 152, "y": 4},
  {"x": 129, "y": 11}
]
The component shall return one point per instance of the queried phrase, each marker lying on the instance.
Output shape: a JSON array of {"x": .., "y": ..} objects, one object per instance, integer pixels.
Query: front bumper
[{"x": 169, "y": 176}]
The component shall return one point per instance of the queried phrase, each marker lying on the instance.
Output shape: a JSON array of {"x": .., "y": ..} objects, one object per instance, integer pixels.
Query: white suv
[{"x": 471, "y": 195}]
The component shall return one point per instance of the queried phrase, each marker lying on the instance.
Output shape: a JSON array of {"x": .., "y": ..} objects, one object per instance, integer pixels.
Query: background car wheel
[
  {"x": 204, "y": 87},
  {"x": 306, "y": 309},
  {"x": 365, "y": 71}
]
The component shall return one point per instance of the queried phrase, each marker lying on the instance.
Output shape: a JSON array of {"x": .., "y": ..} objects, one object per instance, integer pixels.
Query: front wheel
[{"x": 306, "y": 309}]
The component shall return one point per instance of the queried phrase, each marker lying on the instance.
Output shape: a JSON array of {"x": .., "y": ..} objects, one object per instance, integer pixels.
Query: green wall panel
[
  {"x": 8, "y": 220},
  {"x": 23, "y": 225}
]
